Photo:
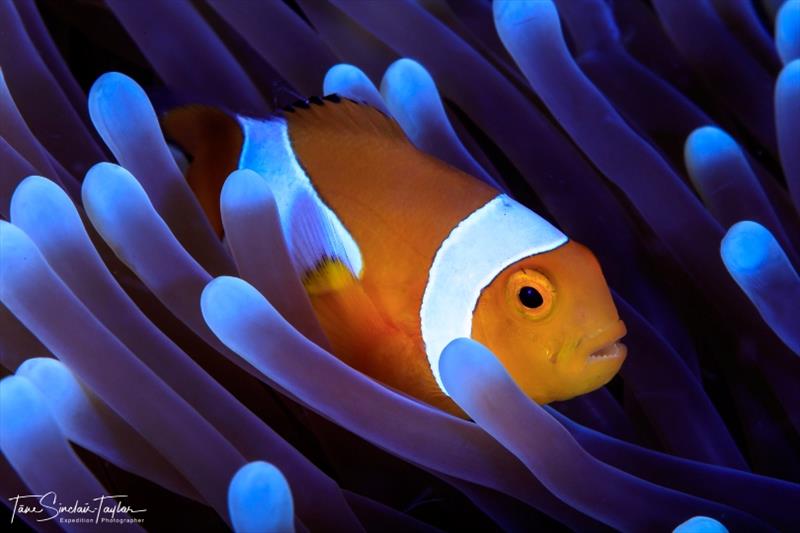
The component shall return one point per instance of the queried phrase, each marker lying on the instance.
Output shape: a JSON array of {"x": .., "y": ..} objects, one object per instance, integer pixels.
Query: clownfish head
[
  {"x": 513, "y": 282},
  {"x": 551, "y": 321}
]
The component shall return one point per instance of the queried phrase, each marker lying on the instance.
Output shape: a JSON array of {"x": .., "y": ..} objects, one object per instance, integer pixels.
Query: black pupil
[{"x": 530, "y": 297}]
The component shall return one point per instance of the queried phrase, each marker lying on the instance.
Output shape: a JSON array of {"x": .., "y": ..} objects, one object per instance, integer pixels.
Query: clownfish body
[{"x": 401, "y": 253}]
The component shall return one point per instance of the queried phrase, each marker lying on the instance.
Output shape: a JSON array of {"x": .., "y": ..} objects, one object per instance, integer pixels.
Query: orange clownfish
[{"x": 401, "y": 253}]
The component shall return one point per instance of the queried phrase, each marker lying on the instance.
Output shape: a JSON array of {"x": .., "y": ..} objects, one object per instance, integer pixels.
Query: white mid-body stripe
[
  {"x": 494, "y": 236},
  {"x": 267, "y": 150}
]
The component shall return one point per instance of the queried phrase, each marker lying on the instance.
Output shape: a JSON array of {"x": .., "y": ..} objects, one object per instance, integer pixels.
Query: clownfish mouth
[
  {"x": 605, "y": 345},
  {"x": 612, "y": 350}
]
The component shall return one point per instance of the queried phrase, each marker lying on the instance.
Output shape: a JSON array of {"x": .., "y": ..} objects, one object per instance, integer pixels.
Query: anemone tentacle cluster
[{"x": 142, "y": 355}]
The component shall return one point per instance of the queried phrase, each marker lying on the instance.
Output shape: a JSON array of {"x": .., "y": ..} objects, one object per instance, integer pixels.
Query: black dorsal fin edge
[
  {"x": 313, "y": 100},
  {"x": 306, "y": 103},
  {"x": 333, "y": 98}
]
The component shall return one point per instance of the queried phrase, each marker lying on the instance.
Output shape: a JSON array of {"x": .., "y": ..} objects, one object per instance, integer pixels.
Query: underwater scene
[{"x": 400, "y": 265}]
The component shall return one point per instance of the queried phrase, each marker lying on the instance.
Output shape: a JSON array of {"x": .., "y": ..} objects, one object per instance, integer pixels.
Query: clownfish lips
[
  {"x": 612, "y": 350},
  {"x": 606, "y": 345}
]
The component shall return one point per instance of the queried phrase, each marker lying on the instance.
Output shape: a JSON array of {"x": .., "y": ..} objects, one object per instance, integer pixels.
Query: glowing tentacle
[
  {"x": 532, "y": 33},
  {"x": 120, "y": 210},
  {"x": 700, "y": 524},
  {"x": 760, "y": 267},
  {"x": 259, "y": 499},
  {"x": 253, "y": 231},
  {"x": 481, "y": 386},
  {"x": 125, "y": 119},
  {"x": 28, "y": 432},
  {"x": 787, "y": 122},
  {"x": 787, "y": 31},
  {"x": 46, "y": 306},
  {"x": 87, "y": 421},
  {"x": 413, "y": 100},
  {"x": 726, "y": 182},
  {"x": 246, "y": 322},
  {"x": 43, "y": 210},
  {"x": 349, "y": 81}
]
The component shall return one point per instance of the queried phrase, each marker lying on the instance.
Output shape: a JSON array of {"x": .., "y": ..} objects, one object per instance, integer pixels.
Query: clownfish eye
[
  {"x": 530, "y": 297},
  {"x": 531, "y": 293}
]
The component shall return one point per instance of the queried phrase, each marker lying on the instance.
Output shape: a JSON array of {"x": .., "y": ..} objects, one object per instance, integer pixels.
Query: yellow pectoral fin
[
  {"x": 347, "y": 314},
  {"x": 331, "y": 275}
]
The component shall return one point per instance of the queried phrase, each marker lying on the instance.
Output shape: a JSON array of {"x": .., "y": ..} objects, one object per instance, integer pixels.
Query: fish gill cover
[{"x": 144, "y": 357}]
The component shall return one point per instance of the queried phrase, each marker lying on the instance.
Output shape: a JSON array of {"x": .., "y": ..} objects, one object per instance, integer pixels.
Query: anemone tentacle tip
[
  {"x": 106, "y": 90},
  {"x": 227, "y": 299},
  {"x": 102, "y": 172},
  {"x": 747, "y": 246},
  {"x": 259, "y": 499},
  {"x": 466, "y": 364},
  {"x": 243, "y": 188},
  {"x": 33, "y": 181},
  {"x": 210, "y": 350},
  {"x": 701, "y": 524},
  {"x": 214, "y": 289},
  {"x": 787, "y": 31},
  {"x": 405, "y": 65},
  {"x": 789, "y": 78},
  {"x": 36, "y": 365},
  {"x": 706, "y": 140},
  {"x": 112, "y": 77},
  {"x": 18, "y": 399}
]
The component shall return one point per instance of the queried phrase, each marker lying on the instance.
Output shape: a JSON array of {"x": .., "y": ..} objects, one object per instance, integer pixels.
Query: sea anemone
[{"x": 186, "y": 375}]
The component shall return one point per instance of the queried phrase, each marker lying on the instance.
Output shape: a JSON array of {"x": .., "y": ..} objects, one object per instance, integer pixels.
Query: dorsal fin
[
  {"x": 343, "y": 116},
  {"x": 213, "y": 140}
]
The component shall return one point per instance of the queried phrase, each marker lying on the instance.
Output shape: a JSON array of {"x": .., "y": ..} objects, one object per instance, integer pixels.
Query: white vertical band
[
  {"x": 268, "y": 151},
  {"x": 494, "y": 236}
]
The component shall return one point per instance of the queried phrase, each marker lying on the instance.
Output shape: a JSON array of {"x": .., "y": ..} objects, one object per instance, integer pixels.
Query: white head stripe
[
  {"x": 267, "y": 150},
  {"x": 490, "y": 239}
]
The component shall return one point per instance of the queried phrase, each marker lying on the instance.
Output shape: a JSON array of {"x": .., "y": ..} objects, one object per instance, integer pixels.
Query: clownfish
[{"x": 401, "y": 253}]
